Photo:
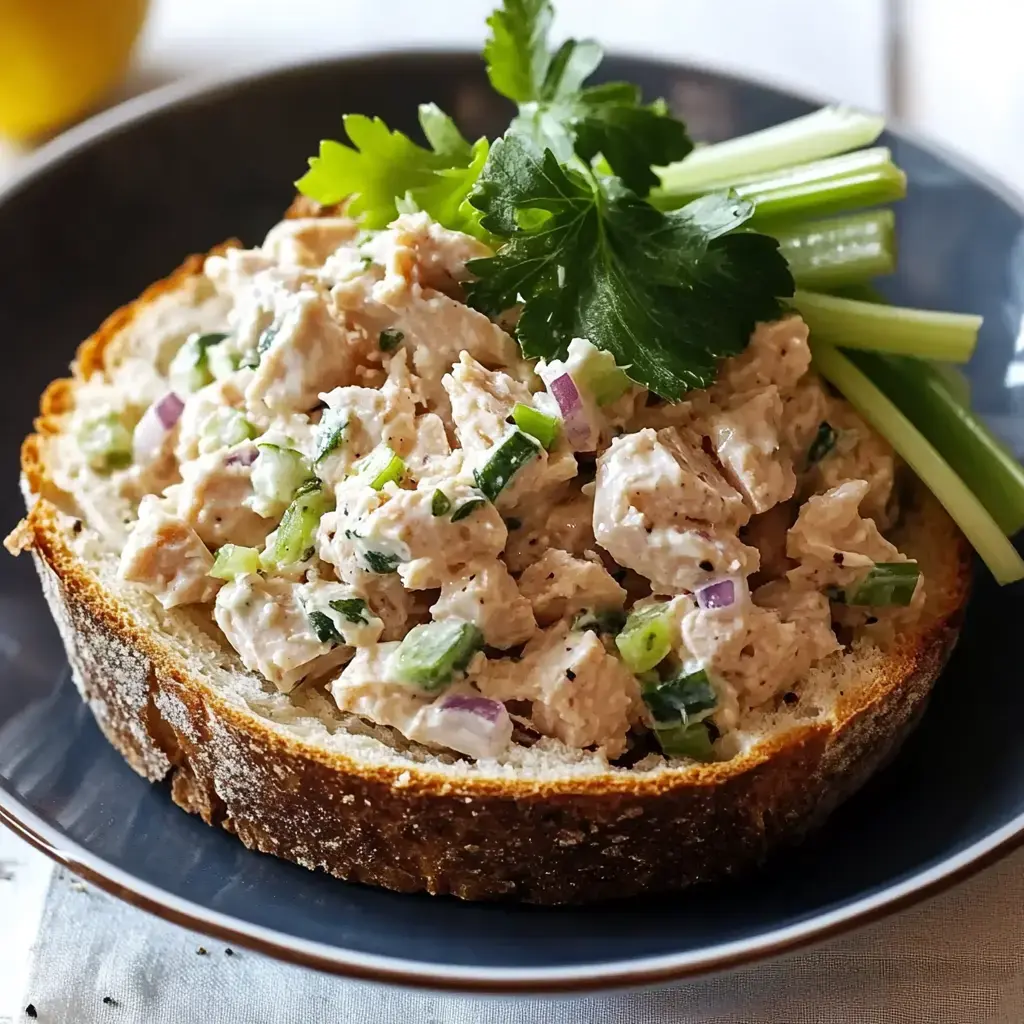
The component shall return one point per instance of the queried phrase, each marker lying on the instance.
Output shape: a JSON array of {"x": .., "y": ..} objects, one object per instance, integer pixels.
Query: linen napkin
[{"x": 958, "y": 958}]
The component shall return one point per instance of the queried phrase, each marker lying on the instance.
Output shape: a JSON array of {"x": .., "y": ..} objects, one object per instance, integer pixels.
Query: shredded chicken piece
[
  {"x": 486, "y": 595},
  {"x": 560, "y": 586}
]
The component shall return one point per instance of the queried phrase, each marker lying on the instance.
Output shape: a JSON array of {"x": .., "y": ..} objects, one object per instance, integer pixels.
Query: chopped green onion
[
  {"x": 295, "y": 537},
  {"x": 353, "y": 609},
  {"x": 646, "y": 637},
  {"x": 824, "y": 133},
  {"x": 824, "y": 441},
  {"x": 888, "y": 584},
  {"x": 277, "y": 474},
  {"x": 440, "y": 503},
  {"x": 983, "y": 532},
  {"x": 693, "y": 741},
  {"x": 955, "y": 382},
  {"x": 926, "y": 397},
  {"x": 234, "y": 560},
  {"x": 607, "y": 620},
  {"x": 323, "y": 626},
  {"x": 381, "y": 562},
  {"x": 867, "y": 177},
  {"x": 223, "y": 428},
  {"x": 267, "y": 338},
  {"x": 680, "y": 701},
  {"x": 106, "y": 442},
  {"x": 536, "y": 423},
  {"x": 826, "y": 254},
  {"x": 329, "y": 435},
  {"x": 468, "y": 507},
  {"x": 390, "y": 339},
  {"x": 432, "y": 653},
  {"x": 509, "y": 457},
  {"x": 925, "y": 333},
  {"x": 190, "y": 368},
  {"x": 382, "y": 466}
]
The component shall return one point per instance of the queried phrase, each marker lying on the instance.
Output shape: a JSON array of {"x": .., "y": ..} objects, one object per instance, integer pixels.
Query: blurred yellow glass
[{"x": 59, "y": 57}]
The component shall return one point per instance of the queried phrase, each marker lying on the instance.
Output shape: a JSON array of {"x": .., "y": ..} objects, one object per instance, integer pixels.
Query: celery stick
[
  {"x": 824, "y": 254},
  {"x": 924, "y": 396},
  {"x": 814, "y": 136},
  {"x": 924, "y": 333},
  {"x": 983, "y": 532},
  {"x": 865, "y": 178}
]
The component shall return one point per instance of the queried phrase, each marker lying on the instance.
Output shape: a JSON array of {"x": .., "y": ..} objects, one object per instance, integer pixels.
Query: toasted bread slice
[{"x": 292, "y": 776}]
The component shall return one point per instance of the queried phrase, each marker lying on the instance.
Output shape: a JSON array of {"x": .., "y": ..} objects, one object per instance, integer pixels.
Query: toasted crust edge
[{"x": 416, "y": 828}]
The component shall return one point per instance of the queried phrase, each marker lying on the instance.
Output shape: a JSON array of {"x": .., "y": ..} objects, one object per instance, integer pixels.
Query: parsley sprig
[{"x": 562, "y": 198}]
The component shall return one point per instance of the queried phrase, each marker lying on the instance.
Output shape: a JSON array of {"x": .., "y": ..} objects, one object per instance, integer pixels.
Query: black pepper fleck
[
  {"x": 570, "y": 675},
  {"x": 229, "y": 951},
  {"x": 838, "y": 558},
  {"x": 790, "y": 697},
  {"x": 201, "y": 951},
  {"x": 707, "y": 566},
  {"x": 30, "y": 1011},
  {"x": 76, "y": 527},
  {"x": 871, "y": 620},
  {"x": 110, "y": 1001}
]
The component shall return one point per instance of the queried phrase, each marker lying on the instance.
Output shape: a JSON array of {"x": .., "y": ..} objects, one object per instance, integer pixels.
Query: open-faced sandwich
[{"x": 498, "y": 526}]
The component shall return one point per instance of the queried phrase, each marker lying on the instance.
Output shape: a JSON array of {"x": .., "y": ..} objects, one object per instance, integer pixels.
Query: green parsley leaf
[
  {"x": 666, "y": 294},
  {"x": 557, "y": 113},
  {"x": 383, "y": 169},
  {"x": 516, "y": 51}
]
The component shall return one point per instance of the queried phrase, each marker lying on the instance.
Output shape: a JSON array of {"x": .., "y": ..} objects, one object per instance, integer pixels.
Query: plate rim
[{"x": 599, "y": 975}]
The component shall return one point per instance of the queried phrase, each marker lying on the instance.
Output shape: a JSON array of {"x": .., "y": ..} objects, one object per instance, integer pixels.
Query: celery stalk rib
[
  {"x": 923, "y": 394},
  {"x": 867, "y": 177},
  {"x": 983, "y": 532},
  {"x": 839, "y": 252},
  {"x": 824, "y": 133},
  {"x": 849, "y": 323}
]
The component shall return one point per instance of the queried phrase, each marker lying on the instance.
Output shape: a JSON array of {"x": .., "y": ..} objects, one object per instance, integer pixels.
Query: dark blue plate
[{"x": 113, "y": 205}]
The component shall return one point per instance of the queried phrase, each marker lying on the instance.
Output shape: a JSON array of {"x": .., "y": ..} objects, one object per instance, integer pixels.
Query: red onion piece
[
  {"x": 721, "y": 594},
  {"x": 169, "y": 409},
  {"x": 244, "y": 456},
  {"x": 492, "y": 710},
  {"x": 578, "y": 428},
  {"x": 472, "y": 725},
  {"x": 152, "y": 430}
]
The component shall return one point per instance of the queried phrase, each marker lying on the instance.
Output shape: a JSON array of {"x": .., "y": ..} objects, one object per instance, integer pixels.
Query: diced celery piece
[
  {"x": 106, "y": 442},
  {"x": 277, "y": 474},
  {"x": 646, "y": 638},
  {"x": 432, "y": 653},
  {"x": 693, "y": 741},
  {"x": 223, "y": 428},
  {"x": 536, "y": 423},
  {"x": 222, "y": 363},
  {"x": 967, "y": 511},
  {"x": 599, "y": 375},
  {"x": 329, "y": 435},
  {"x": 234, "y": 560},
  {"x": 190, "y": 368},
  {"x": 382, "y": 466},
  {"x": 508, "y": 458},
  {"x": 294, "y": 540},
  {"x": 925, "y": 333}
]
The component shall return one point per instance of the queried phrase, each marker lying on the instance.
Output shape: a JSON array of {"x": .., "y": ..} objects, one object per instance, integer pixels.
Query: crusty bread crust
[{"x": 412, "y": 826}]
